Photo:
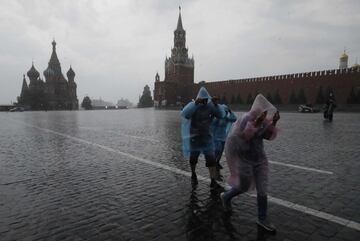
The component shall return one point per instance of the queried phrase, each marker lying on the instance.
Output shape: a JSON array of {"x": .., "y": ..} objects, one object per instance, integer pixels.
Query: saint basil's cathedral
[{"x": 55, "y": 93}]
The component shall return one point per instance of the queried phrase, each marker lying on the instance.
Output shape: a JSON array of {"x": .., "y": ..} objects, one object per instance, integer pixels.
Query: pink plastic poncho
[{"x": 244, "y": 148}]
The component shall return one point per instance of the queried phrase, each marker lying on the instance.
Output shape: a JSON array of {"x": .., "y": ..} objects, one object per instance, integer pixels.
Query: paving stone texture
[{"x": 60, "y": 179}]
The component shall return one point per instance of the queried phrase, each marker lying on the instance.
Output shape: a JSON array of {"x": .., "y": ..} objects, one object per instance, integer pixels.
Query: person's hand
[
  {"x": 260, "y": 119},
  {"x": 215, "y": 100},
  {"x": 276, "y": 117}
]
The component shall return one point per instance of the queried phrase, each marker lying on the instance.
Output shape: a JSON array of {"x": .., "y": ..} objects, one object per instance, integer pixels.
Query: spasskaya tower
[{"x": 179, "y": 73}]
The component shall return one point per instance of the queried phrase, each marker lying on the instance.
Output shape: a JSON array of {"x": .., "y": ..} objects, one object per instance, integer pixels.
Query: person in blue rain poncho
[
  {"x": 197, "y": 117},
  {"x": 221, "y": 128},
  {"x": 246, "y": 158}
]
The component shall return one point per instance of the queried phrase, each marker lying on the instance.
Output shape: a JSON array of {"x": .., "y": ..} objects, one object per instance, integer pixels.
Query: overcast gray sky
[{"x": 116, "y": 47}]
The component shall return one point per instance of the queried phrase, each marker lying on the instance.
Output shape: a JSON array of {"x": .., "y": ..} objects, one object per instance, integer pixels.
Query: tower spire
[
  {"x": 54, "y": 44},
  {"x": 179, "y": 53},
  {"x": 344, "y": 60},
  {"x": 179, "y": 23}
]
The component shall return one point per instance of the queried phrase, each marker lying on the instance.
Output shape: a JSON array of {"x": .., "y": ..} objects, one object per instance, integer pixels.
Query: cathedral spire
[
  {"x": 54, "y": 62},
  {"x": 24, "y": 88},
  {"x": 70, "y": 74}
]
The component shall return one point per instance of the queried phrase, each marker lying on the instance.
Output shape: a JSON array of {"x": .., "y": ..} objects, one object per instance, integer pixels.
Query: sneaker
[
  {"x": 194, "y": 179},
  {"x": 265, "y": 224},
  {"x": 226, "y": 205}
]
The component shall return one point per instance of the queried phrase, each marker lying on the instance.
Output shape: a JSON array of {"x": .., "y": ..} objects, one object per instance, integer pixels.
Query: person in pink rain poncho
[{"x": 246, "y": 158}]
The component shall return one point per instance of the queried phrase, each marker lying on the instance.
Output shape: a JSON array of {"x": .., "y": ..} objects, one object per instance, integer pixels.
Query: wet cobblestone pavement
[{"x": 119, "y": 175}]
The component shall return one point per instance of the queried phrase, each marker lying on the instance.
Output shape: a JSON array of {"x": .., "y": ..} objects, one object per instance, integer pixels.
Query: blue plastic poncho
[
  {"x": 222, "y": 126},
  {"x": 196, "y": 124}
]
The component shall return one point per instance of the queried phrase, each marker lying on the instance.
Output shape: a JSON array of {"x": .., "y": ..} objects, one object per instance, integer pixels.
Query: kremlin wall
[{"x": 339, "y": 81}]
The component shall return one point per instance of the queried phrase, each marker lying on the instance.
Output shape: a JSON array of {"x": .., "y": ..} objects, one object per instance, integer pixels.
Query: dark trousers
[
  {"x": 209, "y": 158},
  {"x": 261, "y": 202},
  {"x": 219, "y": 149}
]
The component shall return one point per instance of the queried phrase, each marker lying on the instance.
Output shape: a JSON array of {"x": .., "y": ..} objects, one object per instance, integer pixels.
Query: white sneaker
[
  {"x": 265, "y": 224},
  {"x": 226, "y": 205}
]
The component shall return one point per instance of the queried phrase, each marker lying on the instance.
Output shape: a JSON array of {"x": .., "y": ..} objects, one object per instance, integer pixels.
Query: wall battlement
[
  {"x": 339, "y": 81},
  {"x": 334, "y": 72}
]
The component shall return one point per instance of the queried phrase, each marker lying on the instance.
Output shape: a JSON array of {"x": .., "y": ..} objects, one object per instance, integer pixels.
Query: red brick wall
[{"x": 340, "y": 81}]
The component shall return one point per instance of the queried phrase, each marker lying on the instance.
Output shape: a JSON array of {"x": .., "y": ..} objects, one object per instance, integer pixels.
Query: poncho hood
[
  {"x": 260, "y": 105},
  {"x": 203, "y": 94}
]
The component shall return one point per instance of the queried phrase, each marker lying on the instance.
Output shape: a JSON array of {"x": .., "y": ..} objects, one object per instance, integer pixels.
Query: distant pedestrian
[
  {"x": 246, "y": 157},
  {"x": 221, "y": 128},
  {"x": 197, "y": 117},
  {"x": 329, "y": 107}
]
